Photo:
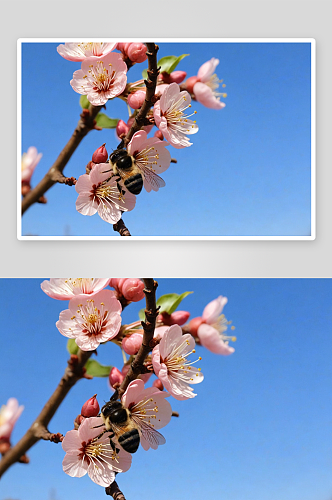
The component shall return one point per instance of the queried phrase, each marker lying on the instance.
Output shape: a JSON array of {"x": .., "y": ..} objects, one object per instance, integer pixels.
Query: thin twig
[
  {"x": 121, "y": 228},
  {"x": 85, "y": 124},
  {"x": 38, "y": 430},
  {"x": 151, "y": 83},
  {"x": 151, "y": 312},
  {"x": 114, "y": 491}
]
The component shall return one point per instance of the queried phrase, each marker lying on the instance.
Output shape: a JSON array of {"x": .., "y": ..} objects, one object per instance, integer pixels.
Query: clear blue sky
[
  {"x": 259, "y": 428},
  {"x": 246, "y": 174}
]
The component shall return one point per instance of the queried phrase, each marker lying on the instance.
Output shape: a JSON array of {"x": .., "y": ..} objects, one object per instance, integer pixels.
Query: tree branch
[
  {"x": 121, "y": 228},
  {"x": 85, "y": 124},
  {"x": 114, "y": 491},
  {"x": 150, "y": 91},
  {"x": 151, "y": 312},
  {"x": 74, "y": 371}
]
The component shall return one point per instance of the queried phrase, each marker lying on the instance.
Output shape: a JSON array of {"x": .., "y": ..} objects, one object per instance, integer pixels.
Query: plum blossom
[
  {"x": 30, "y": 160},
  {"x": 211, "y": 327},
  {"x": 151, "y": 158},
  {"x": 99, "y": 192},
  {"x": 67, "y": 288},
  {"x": 170, "y": 117},
  {"x": 83, "y": 50},
  {"x": 91, "y": 321},
  {"x": 9, "y": 414},
  {"x": 171, "y": 365},
  {"x": 148, "y": 407},
  {"x": 89, "y": 451},
  {"x": 101, "y": 78},
  {"x": 205, "y": 85}
]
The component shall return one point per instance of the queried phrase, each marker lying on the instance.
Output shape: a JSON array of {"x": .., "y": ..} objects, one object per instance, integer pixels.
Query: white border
[{"x": 312, "y": 41}]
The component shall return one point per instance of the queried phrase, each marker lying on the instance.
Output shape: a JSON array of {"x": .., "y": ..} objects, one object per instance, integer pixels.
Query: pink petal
[
  {"x": 133, "y": 392},
  {"x": 207, "y": 69},
  {"x": 211, "y": 339},
  {"x": 205, "y": 96},
  {"x": 213, "y": 310},
  {"x": 73, "y": 465}
]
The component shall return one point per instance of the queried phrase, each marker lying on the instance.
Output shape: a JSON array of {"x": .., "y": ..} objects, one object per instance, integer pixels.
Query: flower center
[
  {"x": 213, "y": 83},
  {"x": 145, "y": 410},
  {"x": 175, "y": 116},
  {"x": 97, "y": 452},
  {"x": 177, "y": 361},
  {"x": 221, "y": 326},
  {"x": 102, "y": 78},
  {"x": 147, "y": 158},
  {"x": 91, "y": 320}
]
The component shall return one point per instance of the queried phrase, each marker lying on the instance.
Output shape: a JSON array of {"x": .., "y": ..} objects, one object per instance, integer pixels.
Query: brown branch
[
  {"x": 85, "y": 124},
  {"x": 114, "y": 491},
  {"x": 121, "y": 228},
  {"x": 74, "y": 371},
  {"x": 151, "y": 83},
  {"x": 151, "y": 312}
]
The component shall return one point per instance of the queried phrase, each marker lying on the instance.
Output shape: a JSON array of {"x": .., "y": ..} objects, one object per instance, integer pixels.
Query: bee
[
  {"x": 120, "y": 422},
  {"x": 123, "y": 165}
]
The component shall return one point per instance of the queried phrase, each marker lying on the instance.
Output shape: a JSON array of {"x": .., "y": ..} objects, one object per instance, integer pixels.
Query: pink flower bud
[
  {"x": 123, "y": 47},
  {"x": 174, "y": 77},
  {"x": 121, "y": 128},
  {"x": 100, "y": 155},
  {"x": 191, "y": 82},
  {"x": 115, "y": 377},
  {"x": 136, "y": 99},
  {"x": 145, "y": 377},
  {"x": 131, "y": 344},
  {"x": 176, "y": 318},
  {"x": 159, "y": 134},
  {"x": 125, "y": 370},
  {"x": 137, "y": 52},
  {"x": 90, "y": 407},
  {"x": 158, "y": 383},
  {"x": 132, "y": 289},
  {"x": 194, "y": 324}
]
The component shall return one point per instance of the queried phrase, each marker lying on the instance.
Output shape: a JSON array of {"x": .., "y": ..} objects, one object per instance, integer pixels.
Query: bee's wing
[
  {"x": 153, "y": 437},
  {"x": 154, "y": 180}
]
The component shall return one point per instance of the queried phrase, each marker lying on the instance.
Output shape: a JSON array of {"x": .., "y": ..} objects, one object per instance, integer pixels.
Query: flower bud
[
  {"x": 100, "y": 155},
  {"x": 176, "y": 318},
  {"x": 190, "y": 83},
  {"x": 115, "y": 377},
  {"x": 137, "y": 52},
  {"x": 174, "y": 77},
  {"x": 136, "y": 99},
  {"x": 123, "y": 47},
  {"x": 90, "y": 407},
  {"x": 158, "y": 383},
  {"x": 121, "y": 128},
  {"x": 132, "y": 289},
  {"x": 194, "y": 324},
  {"x": 131, "y": 344},
  {"x": 159, "y": 135}
]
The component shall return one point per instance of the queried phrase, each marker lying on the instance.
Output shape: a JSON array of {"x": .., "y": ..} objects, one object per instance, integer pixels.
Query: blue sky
[
  {"x": 260, "y": 426},
  {"x": 248, "y": 172}
]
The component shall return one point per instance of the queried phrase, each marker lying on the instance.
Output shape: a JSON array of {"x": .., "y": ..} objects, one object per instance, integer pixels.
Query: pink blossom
[
  {"x": 171, "y": 365},
  {"x": 29, "y": 162},
  {"x": 170, "y": 117},
  {"x": 211, "y": 331},
  {"x": 115, "y": 377},
  {"x": 101, "y": 78},
  {"x": 67, "y": 288},
  {"x": 80, "y": 51},
  {"x": 99, "y": 192},
  {"x": 91, "y": 321},
  {"x": 132, "y": 289},
  {"x": 176, "y": 318},
  {"x": 100, "y": 155},
  {"x": 151, "y": 157},
  {"x": 88, "y": 450},
  {"x": 174, "y": 77},
  {"x": 9, "y": 414},
  {"x": 136, "y": 99},
  {"x": 121, "y": 129},
  {"x": 205, "y": 90},
  {"x": 132, "y": 343},
  {"x": 137, "y": 52},
  {"x": 149, "y": 410}
]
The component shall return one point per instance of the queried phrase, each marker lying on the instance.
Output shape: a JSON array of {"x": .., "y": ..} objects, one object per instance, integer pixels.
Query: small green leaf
[
  {"x": 104, "y": 121},
  {"x": 167, "y": 63},
  {"x": 95, "y": 369},
  {"x": 141, "y": 315},
  {"x": 72, "y": 347},
  {"x": 171, "y": 301},
  {"x": 84, "y": 103}
]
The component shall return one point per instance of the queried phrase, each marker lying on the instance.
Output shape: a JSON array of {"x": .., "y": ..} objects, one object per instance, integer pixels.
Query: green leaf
[
  {"x": 171, "y": 301},
  {"x": 72, "y": 347},
  {"x": 95, "y": 369},
  {"x": 84, "y": 103},
  {"x": 104, "y": 121},
  {"x": 141, "y": 315},
  {"x": 167, "y": 63}
]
